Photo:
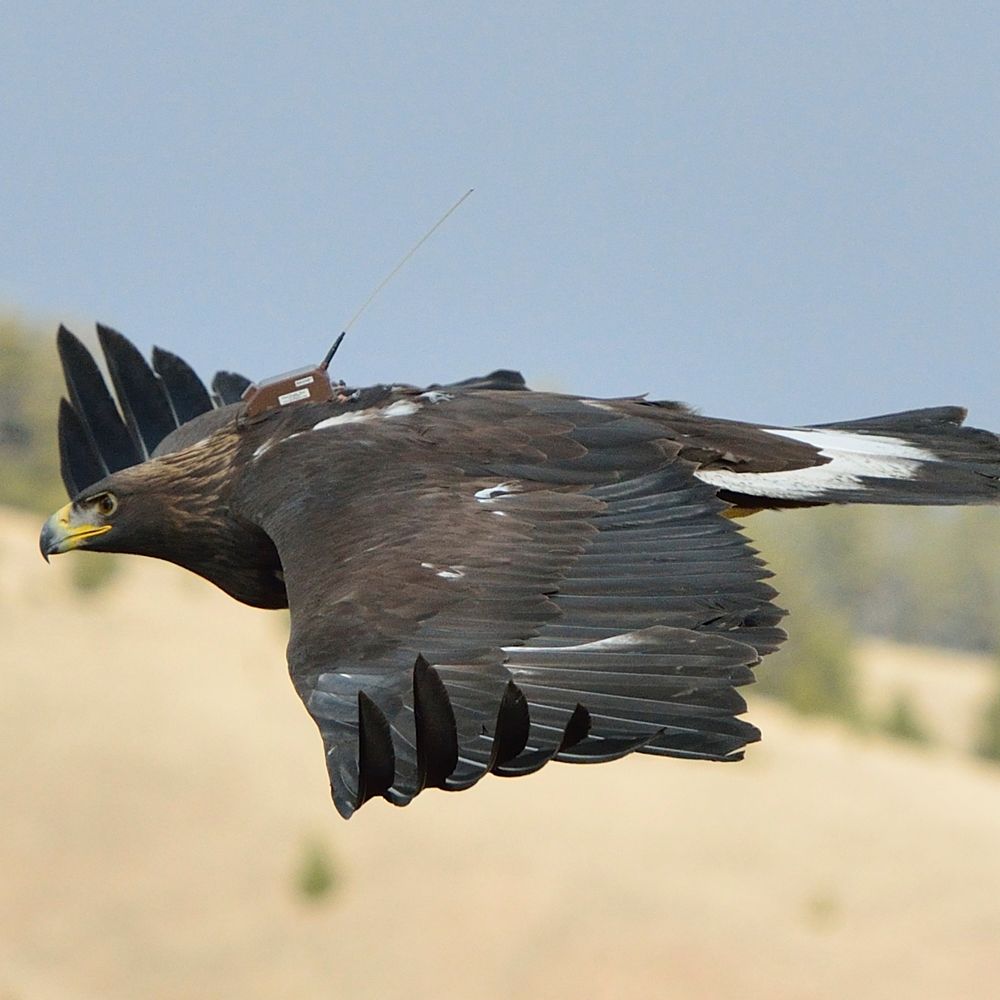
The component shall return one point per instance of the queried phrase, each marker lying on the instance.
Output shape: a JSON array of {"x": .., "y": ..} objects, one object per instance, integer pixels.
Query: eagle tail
[{"x": 919, "y": 457}]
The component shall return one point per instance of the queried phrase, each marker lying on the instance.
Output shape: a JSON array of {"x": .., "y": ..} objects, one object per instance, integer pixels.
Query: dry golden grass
[{"x": 161, "y": 786}]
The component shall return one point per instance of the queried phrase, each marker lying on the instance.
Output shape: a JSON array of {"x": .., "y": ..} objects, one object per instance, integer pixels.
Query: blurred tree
[
  {"x": 902, "y": 721},
  {"x": 30, "y": 387},
  {"x": 988, "y": 742},
  {"x": 813, "y": 671},
  {"x": 922, "y": 575}
]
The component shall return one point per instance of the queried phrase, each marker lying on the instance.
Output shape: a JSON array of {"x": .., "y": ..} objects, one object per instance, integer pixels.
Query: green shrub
[
  {"x": 316, "y": 873},
  {"x": 93, "y": 571},
  {"x": 902, "y": 721},
  {"x": 988, "y": 741}
]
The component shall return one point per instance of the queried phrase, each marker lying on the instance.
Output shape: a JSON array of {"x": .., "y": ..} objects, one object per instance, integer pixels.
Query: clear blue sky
[{"x": 786, "y": 212}]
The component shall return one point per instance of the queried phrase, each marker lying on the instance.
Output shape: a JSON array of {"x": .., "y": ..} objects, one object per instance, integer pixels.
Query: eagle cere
[{"x": 481, "y": 578}]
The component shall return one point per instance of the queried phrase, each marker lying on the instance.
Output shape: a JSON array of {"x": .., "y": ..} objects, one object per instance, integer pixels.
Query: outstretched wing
[{"x": 487, "y": 582}]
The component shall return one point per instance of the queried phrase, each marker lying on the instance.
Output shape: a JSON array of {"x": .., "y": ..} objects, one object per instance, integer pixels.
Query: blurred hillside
[
  {"x": 168, "y": 833},
  {"x": 168, "y": 830}
]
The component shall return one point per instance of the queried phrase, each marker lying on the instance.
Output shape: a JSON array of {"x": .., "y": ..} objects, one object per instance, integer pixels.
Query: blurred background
[{"x": 776, "y": 212}]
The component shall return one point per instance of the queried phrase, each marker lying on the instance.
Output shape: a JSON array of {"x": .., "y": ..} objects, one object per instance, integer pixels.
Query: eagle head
[{"x": 176, "y": 507}]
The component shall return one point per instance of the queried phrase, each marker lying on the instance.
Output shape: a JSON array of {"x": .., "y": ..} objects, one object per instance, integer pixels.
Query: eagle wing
[
  {"x": 95, "y": 437},
  {"x": 483, "y": 582},
  {"x": 98, "y": 437}
]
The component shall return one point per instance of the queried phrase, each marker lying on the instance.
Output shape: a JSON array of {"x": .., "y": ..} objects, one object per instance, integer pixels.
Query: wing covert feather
[{"x": 508, "y": 579}]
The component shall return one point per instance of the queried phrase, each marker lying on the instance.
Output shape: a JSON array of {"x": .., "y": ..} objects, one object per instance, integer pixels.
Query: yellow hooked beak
[{"x": 65, "y": 530}]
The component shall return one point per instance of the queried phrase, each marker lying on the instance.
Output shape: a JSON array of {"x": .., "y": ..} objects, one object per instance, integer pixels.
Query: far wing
[
  {"x": 504, "y": 579},
  {"x": 98, "y": 437},
  {"x": 100, "y": 433}
]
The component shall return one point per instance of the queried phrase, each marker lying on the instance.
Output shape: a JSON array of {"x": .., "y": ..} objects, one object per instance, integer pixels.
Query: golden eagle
[{"x": 481, "y": 578}]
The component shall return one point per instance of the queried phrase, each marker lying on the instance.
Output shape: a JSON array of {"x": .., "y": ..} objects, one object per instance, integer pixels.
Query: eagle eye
[{"x": 105, "y": 503}]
